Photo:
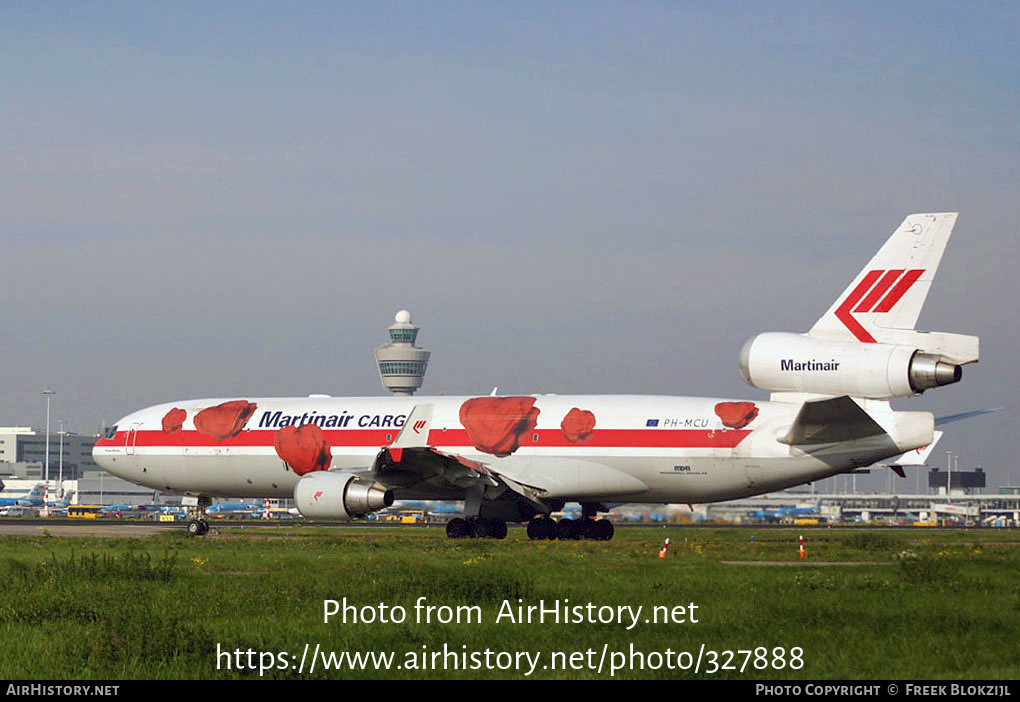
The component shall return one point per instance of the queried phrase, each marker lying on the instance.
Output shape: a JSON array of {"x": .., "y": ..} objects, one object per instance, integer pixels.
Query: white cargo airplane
[{"x": 521, "y": 458}]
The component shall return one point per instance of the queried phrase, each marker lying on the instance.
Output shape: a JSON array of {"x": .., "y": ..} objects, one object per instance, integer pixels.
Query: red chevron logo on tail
[{"x": 873, "y": 294}]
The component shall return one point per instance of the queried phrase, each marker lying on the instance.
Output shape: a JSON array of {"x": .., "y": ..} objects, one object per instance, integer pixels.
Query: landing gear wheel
[
  {"x": 457, "y": 528},
  {"x": 205, "y": 526},
  {"x": 603, "y": 530},
  {"x": 197, "y": 527},
  {"x": 498, "y": 529},
  {"x": 541, "y": 528},
  {"x": 481, "y": 528},
  {"x": 567, "y": 529}
]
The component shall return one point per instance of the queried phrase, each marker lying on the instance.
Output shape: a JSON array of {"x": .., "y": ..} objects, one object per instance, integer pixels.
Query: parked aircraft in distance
[
  {"x": 780, "y": 514},
  {"x": 520, "y": 458},
  {"x": 34, "y": 498},
  {"x": 228, "y": 509}
]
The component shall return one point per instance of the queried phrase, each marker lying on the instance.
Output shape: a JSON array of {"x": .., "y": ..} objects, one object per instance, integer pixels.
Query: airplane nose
[
  {"x": 102, "y": 458},
  {"x": 105, "y": 451}
]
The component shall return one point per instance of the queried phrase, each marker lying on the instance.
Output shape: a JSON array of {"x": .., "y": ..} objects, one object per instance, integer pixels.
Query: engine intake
[{"x": 338, "y": 495}]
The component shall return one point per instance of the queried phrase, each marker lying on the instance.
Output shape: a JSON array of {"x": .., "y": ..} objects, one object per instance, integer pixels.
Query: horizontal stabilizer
[
  {"x": 917, "y": 457},
  {"x": 828, "y": 421}
]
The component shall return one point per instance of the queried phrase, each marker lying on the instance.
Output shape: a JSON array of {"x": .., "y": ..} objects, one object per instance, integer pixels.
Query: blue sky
[{"x": 213, "y": 199}]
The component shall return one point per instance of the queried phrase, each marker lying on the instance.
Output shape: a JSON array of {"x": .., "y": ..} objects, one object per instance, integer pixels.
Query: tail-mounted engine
[
  {"x": 337, "y": 495},
  {"x": 782, "y": 362}
]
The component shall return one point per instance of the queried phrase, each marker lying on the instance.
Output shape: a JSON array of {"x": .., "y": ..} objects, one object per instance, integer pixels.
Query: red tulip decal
[
  {"x": 496, "y": 424},
  {"x": 736, "y": 415},
  {"x": 578, "y": 425},
  {"x": 303, "y": 448},
  {"x": 225, "y": 420},
  {"x": 173, "y": 420}
]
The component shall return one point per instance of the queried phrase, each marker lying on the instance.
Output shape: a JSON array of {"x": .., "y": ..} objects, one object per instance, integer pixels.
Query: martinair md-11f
[{"x": 521, "y": 458}]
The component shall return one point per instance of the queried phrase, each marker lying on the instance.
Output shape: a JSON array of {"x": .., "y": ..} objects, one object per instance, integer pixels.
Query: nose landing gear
[
  {"x": 197, "y": 527},
  {"x": 197, "y": 523}
]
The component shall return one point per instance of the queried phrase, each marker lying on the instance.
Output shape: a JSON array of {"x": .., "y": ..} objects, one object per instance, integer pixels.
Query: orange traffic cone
[
  {"x": 665, "y": 547},
  {"x": 803, "y": 553}
]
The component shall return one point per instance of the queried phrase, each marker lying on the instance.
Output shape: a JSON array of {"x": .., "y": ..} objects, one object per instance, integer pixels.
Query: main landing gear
[
  {"x": 587, "y": 527},
  {"x": 476, "y": 528},
  {"x": 570, "y": 529}
]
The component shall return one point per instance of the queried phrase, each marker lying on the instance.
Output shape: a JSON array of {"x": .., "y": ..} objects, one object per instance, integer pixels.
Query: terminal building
[
  {"x": 966, "y": 481},
  {"x": 100, "y": 488},
  {"x": 401, "y": 364},
  {"x": 23, "y": 453},
  {"x": 791, "y": 506}
]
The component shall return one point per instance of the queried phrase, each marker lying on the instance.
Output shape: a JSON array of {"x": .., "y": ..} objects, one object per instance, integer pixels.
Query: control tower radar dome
[{"x": 401, "y": 364}]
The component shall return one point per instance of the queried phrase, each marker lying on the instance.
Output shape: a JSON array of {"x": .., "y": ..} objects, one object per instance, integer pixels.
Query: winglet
[{"x": 415, "y": 433}]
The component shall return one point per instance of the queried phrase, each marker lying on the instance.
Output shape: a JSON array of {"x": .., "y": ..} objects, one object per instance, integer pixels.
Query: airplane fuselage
[{"x": 620, "y": 448}]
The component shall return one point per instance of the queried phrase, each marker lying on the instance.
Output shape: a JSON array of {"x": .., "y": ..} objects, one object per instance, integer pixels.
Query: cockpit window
[{"x": 110, "y": 432}]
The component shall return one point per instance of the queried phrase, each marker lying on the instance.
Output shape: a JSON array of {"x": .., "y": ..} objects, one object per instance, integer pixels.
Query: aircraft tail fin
[{"x": 890, "y": 291}]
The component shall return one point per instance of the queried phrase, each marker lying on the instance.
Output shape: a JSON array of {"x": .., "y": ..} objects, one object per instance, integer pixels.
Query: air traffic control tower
[{"x": 402, "y": 365}]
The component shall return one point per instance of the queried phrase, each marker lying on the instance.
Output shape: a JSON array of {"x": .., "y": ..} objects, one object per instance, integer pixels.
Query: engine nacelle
[
  {"x": 783, "y": 362},
  {"x": 337, "y": 495}
]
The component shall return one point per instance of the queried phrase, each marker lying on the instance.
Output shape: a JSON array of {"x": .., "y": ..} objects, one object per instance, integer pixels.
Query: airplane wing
[
  {"x": 422, "y": 471},
  {"x": 427, "y": 472},
  {"x": 835, "y": 419}
]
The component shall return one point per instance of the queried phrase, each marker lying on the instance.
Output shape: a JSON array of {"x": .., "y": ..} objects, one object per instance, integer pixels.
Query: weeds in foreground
[{"x": 78, "y": 567}]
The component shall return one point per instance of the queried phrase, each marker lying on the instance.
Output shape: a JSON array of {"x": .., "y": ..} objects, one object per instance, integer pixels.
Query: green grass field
[{"x": 902, "y": 604}]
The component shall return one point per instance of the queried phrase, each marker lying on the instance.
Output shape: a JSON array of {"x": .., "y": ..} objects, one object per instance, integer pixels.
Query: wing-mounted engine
[
  {"x": 338, "y": 495},
  {"x": 782, "y": 362}
]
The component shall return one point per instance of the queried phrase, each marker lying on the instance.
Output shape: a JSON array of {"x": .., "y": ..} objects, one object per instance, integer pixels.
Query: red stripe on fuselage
[{"x": 378, "y": 438}]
